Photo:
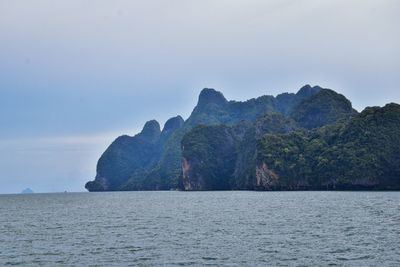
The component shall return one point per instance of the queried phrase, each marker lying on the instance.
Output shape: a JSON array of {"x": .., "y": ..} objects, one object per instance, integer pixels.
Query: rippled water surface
[{"x": 199, "y": 228}]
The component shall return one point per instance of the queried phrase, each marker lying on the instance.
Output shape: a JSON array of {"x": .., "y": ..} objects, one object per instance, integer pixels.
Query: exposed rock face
[
  {"x": 227, "y": 154},
  {"x": 152, "y": 159},
  {"x": 211, "y": 165},
  {"x": 191, "y": 182},
  {"x": 265, "y": 143},
  {"x": 360, "y": 153},
  {"x": 265, "y": 178}
]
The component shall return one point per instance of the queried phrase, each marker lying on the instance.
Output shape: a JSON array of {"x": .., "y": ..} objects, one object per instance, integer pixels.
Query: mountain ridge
[{"x": 173, "y": 158}]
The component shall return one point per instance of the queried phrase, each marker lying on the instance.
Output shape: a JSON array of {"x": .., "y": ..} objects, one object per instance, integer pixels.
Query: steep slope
[
  {"x": 288, "y": 101},
  {"x": 137, "y": 163},
  {"x": 210, "y": 162},
  {"x": 362, "y": 153},
  {"x": 270, "y": 123},
  {"x": 132, "y": 156},
  {"x": 324, "y": 107},
  {"x": 213, "y": 109},
  {"x": 223, "y": 157},
  {"x": 311, "y": 106}
]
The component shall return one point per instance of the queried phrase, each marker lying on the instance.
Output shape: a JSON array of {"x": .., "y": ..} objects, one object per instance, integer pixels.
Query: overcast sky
[{"x": 76, "y": 74}]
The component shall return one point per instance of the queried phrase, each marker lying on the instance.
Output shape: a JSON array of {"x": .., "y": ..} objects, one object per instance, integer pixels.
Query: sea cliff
[{"x": 312, "y": 139}]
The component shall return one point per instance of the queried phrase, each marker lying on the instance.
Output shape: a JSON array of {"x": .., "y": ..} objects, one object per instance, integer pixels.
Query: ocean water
[{"x": 231, "y": 228}]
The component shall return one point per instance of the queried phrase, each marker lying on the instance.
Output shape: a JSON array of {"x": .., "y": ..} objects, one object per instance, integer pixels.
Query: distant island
[
  {"x": 311, "y": 140},
  {"x": 27, "y": 191}
]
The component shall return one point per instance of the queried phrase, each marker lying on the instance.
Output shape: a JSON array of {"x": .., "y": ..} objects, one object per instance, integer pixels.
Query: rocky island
[
  {"x": 27, "y": 191},
  {"x": 311, "y": 140}
]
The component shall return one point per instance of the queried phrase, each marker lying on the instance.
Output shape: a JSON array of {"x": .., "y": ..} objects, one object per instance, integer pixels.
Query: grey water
[{"x": 231, "y": 228}]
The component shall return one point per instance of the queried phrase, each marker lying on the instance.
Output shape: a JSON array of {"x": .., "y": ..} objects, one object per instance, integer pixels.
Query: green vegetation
[
  {"x": 321, "y": 109},
  {"x": 360, "y": 153},
  {"x": 212, "y": 157},
  {"x": 223, "y": 157},
  {"x": 313, "y": 139}
]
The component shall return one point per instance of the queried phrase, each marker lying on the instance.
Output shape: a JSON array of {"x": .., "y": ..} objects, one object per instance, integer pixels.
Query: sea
[{"x": 225, "y": 228}]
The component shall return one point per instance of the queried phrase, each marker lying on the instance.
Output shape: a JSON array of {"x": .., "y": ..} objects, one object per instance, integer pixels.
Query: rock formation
[{"x": 313, "y": 139}]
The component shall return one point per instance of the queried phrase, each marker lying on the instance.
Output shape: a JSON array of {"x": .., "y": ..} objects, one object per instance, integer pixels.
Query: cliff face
[
  {"x": 291, "y": 141},
  {"x": 210, "y": 162},
  {"x": 127, "y": 155},
  {"x": 227, "y": 153},
  {"x": 152, "y": 159},
  {"x": 361, "y": 153},
  {"x": 310, "y": 107},
  {"x": 135, "y": 156}
]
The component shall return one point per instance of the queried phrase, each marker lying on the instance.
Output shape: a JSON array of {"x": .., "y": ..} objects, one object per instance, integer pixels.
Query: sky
[{"x": 74, "y": 75}]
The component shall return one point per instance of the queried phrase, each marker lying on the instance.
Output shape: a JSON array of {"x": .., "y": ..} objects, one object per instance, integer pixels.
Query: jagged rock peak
[
  {"x": 151, "y": 130},
  {"x": 209, "y": 95},
  {"x": 308, "y": 90},
  {"x": 173, "y": 124}
]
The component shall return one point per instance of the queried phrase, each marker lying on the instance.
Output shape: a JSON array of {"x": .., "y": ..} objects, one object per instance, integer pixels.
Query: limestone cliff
[
  {"x": 151, "y": 160},
  {"x": 313, "y": 139}
]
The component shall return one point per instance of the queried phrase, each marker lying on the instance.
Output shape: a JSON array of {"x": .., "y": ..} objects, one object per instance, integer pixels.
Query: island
[
  {"x": 27, "y": 191},
  {"x": 310, "y": 140}
]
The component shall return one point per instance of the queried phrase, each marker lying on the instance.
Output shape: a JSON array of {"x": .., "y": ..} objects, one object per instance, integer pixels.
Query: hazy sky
[{"x": 76, "y": 74}]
